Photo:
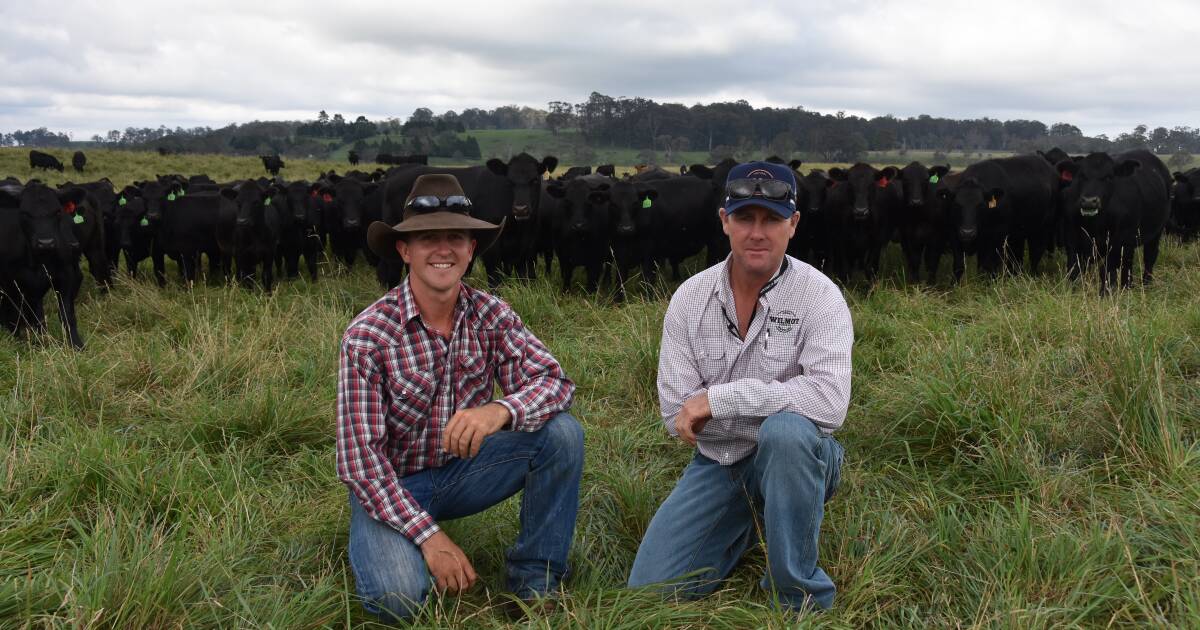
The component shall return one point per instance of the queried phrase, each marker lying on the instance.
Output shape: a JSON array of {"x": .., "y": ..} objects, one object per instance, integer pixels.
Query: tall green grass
[{"x": 1020, "y": 453}]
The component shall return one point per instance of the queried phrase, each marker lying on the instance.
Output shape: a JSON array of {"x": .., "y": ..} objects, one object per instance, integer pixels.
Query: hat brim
[
  {"x": 784, "y": 210},
  {"x": 381, "y": 237}
]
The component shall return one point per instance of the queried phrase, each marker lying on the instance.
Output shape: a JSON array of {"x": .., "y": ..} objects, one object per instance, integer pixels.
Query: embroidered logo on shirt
[{"x": 784, "y": 321}]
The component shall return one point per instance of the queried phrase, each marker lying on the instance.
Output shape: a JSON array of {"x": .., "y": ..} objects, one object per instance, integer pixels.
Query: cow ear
[
  {"x": 1127, "y": 168},
  {"x": 496, "y": 166},
  {"x": 939, "y": 171},
  {"x": 701, "y": 171},
  {"x": 229, "y": 192},
  {"x": 1067, "y": 170},
  {"x": 795, "y": 165},
  {"x": 549, "y": 163},
  {"x": 650, "y": 194},
  {"x": 334, "y": 177},
  {"x": 1179, "y": 177},
  {"x": 838, "y": 174},
  {"x": 996, "y": 194},
  {"x": 889, "y": 172},
  {"x": 555, "y": 189},
  {"x": 12, "y": 191}
]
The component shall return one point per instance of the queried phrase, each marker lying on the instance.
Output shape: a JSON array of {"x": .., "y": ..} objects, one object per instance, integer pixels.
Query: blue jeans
[
  {"x": 389, "y": 570},
  {"x": 715, "y": 512}
]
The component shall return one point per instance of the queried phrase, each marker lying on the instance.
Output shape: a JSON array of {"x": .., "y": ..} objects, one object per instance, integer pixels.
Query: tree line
[{"x": 602, "y": 121}]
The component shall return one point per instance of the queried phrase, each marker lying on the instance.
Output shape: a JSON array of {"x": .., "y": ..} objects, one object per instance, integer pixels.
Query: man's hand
[
  {"x": 692, "y": 417},
  {"x": 468, "y": 427},
  {"x": 448, "y": 565}
]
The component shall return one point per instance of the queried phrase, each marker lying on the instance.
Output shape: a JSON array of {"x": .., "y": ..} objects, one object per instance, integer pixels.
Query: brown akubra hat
[{"x": 436, "y": 202}]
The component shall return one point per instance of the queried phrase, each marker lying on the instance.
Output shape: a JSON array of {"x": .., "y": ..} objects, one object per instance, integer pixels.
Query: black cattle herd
[{"x": 1092, "y": 207}]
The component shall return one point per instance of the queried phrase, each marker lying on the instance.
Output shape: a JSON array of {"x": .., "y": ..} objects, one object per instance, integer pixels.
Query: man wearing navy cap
[{"x": 754, "y": 372}]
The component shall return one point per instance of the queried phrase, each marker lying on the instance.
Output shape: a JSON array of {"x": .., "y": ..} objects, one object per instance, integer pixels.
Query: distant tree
[
  {"x": 560, "y": 116},
  {"x": 1180, "y": 160},
  {"x": 721, "y": 152}
]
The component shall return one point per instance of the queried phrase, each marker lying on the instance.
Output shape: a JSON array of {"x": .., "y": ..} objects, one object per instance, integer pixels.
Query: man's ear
[{"x": 402, "y": 249}]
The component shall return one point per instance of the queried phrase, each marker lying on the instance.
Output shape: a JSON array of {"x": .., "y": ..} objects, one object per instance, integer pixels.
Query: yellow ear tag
[{"x": 992, "y": 202}]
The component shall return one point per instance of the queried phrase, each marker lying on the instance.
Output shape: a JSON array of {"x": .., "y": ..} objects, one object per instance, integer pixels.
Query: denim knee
[
  {"x": 790, "y": 432},
  {"x": 564, "y": 436},
  {"x": 390, "y": 593}
]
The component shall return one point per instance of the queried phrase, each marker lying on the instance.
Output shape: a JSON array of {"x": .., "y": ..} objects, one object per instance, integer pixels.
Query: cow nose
[
  {"x": 1090, "y": 203},
  {"x": 968, "y": 234},
  {"x": 243, "y": 221},
  {"x": 126, "y": 244},
  {"x": 814, "y": 209},
  {"x": 45, "y": 243},
  {"x": 861, "y": 213},
  {"x": 351, "y": 223},
  {"x": 916, "y": 202},
  {"x": 298, "y": 217},
  {"x": 578, "y": 227},
  {"x": 625, "y": 229}
]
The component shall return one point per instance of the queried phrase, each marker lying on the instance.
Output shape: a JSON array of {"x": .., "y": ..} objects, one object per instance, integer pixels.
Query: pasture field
[{"x": 1019, "y": 453}]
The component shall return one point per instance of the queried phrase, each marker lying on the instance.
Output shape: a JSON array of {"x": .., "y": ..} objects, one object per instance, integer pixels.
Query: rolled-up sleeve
[
  {"x": 822, "y": 392},
  {"x": 362, "y": 463},
  {"x": 534, "y": 385}
]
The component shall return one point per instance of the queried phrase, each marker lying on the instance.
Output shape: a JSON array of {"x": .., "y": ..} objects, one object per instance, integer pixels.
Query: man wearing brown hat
[{"x": 419, "y": 438}]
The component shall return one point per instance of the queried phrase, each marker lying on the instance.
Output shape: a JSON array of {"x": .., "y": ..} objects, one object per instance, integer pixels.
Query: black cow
[
  {"x": 499, "y": 191},
  {"x": 1113, "y": 204},
  {"x": 607, "y": 170},
  {"x": 575, "y": 171},
  {"x": 810, "y": 243},
  {"x": 272, "y": 163},
  {"x": 718, "y": 243},
  {"x": 106, "y": 199},
  {"x": 300, "y": 229},
  {"x": 633, "y": 230},
  {"x": 87, "y": 223},
  {"x": 79, "y": 160},
  {"x": 581, "y": 227},
  {"x": 345, "y": 215},
  {"x": 861, "y": 208},
  {"x": 996, "y": 208},
  {"x": 185, "y": 226},
  {"x": 1185, "y": 204},
  {"x": 1054, "y": 156},
  {"x": 651, "y": 173},
  {"x": 253, "y": 238},
  {"x": 135, "y": 235},
  {"x": 684, "y": 212},
  {"x": 352, "y": 157},
  {"x": 45, "y": 161},
  {"x": 921, "y": 219},
  {"x": 38, "y": 252}
]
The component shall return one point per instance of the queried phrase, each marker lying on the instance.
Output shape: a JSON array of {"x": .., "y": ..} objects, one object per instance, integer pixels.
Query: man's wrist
[{"x": 503, "y": 414}]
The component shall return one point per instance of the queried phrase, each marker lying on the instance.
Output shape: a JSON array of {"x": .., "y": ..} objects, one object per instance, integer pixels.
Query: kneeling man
[
  {"x": 754, "y": 371},
  {"x": 419, "y": 438}
]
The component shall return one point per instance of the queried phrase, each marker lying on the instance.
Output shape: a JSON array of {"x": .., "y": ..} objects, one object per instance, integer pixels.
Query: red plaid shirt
[{"x": 399, "y": 384}]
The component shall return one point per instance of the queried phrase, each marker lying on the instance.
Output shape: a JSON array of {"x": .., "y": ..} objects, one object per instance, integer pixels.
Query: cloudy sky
[{"x": 87, "y": 66}]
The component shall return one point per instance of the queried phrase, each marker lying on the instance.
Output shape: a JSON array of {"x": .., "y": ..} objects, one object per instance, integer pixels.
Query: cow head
[
  {"x": 629, "y": 205},
  {"x": 46, "y": 218},
  {"x": 582, "y": 206},
  {"x": 347, "y": 199},
  {"x": 131, "y": 217},
  {"x": 917, "y": 182},
  {"x": 811, "y": 191},
  {"x": 1091, "y": 182},
  {"x": 968, "y": 204},
  {"x": 1187, "y": 186},
  {"x": 524, "y": 175},
  {"x": 866, "y": 188}
]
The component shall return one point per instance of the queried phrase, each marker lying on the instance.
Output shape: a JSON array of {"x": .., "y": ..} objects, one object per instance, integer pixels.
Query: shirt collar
[
  {"x": 724, "y": 290},
  {"x": 408, "y": 304}
]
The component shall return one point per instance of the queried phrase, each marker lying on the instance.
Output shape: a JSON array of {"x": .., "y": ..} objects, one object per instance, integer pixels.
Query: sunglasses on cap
[
  {"x": 773, "y": 189},
  {"x": 429, "y": 203}
]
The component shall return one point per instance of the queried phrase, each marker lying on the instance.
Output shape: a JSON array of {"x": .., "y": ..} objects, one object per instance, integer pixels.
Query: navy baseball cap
[{"x": 741, "y": 191}]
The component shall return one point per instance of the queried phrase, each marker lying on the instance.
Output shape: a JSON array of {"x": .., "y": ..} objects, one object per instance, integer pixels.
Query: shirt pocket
[
  {"x": 471, "y": 377},
  {"x": 712, "y": 360},
  {"x": 781, "y": 364},
  {"x": 412, "y": 393}
]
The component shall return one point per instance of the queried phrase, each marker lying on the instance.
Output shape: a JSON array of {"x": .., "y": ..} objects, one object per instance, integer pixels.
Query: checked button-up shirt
[
  {"x": 795, "y": 357},
  {"x": 399, "y": 384}
]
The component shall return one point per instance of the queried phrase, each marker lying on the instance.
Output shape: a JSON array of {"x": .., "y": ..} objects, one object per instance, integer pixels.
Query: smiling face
[
  {"x": 758, "y": 239},
  {"x": 437, "y": 259}
]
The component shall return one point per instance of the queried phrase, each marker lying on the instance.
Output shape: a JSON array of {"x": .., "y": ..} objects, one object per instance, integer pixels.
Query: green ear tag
[
  {"x": 171, "y": 197},
  {"x": 144, "y": 222},
  {"x": 267, "y": 202},
  {"x": 121, "y": 201},
  {"x": 933, "y": 179},
  {"x": 182, "y": 192},
  {"x": 646, "y": 202},
  {"x": 78, "y": 219}
]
